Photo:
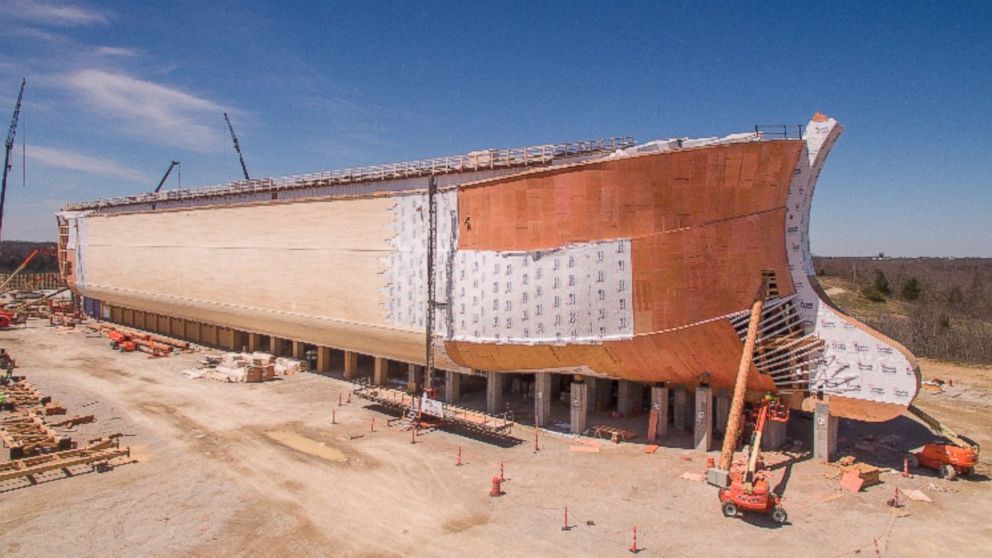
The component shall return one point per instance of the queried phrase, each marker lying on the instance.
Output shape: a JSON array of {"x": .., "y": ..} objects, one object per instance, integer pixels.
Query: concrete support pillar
[
  {"x": 323, "y": 359},
  {"x": 494, "y": 393},
  {"x": 722, "y": 410},
  {"x": 274, "y": 345},
  {"x": 253, "y": 339},
  {"x": 414, "y": 378},
  {"x": 628, "y": 396},
  {"x": 702, "y": 432},
  {"x": 824, "y": 433},
  {"x": 298, "y": 350},
  {"x": 350, "y": 364},
  {"x": 659, "y": 402},
  {"x": 380, "y": 374},
  {"x": 555, "y": 387},
  {"x": 452, "y": 387},
  {"x": 774, "y": 435},
  {"x": 591, "y": 391},
  {"x": 579, "y": 406},
  {"x": 542, "y": 399},
  {"x": 681, "y": 403},
  {"x": 603, "y": 392}
]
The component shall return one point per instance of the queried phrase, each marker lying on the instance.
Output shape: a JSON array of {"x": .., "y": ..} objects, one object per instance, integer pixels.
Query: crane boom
[
  {"x": 10, "y": 147},
  {"x": 237, "y": 147},
  {"x": 166, "y": 175},
  {"x": 939, "y": 428}
]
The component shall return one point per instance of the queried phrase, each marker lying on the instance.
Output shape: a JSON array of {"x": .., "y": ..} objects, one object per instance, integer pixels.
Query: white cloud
[
  {"x": 153, "y": 112},
  {"x": 117, "y": 51},
  {"x": 78, "y": 162},
  {"x": 59, "y": 15}
]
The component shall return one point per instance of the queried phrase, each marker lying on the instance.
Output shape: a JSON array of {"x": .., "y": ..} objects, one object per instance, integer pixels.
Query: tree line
[{"x": 945, "y": 305}]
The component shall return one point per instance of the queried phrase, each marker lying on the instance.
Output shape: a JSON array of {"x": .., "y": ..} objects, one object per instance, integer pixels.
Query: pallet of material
[
  {"x": 28, "y": 435},
  {"x": 869, "y": 474},
  {"x": 98, "y": 452},
  {"x": 612, "y": 433}
]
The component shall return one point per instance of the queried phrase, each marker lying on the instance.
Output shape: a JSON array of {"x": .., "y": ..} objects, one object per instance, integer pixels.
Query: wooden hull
[{"x": 634, "y": 266}]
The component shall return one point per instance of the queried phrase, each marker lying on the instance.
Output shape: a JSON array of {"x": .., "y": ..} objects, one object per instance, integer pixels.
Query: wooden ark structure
[{"x": 603, "y": 259}]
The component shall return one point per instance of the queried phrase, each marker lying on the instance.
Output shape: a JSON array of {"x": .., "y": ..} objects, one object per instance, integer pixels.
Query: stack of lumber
[
  {"x": 98, "y": 452},
  {"x": 614, "y": 434},
  {"x": 27, "y": 434},
  {"x": 244, "y": 367},
  {"x": 21, "y": 394}
]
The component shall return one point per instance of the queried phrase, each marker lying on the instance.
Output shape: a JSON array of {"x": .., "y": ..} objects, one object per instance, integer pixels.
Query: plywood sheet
[{"x": 626, "y": 197}]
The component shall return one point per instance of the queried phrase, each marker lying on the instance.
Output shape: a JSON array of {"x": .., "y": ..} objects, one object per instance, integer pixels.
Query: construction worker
[{"x": 6, "y": 363}]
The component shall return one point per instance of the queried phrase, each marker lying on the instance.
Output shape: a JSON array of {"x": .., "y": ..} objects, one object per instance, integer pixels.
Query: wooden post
[{"x": 737, "y": 404}]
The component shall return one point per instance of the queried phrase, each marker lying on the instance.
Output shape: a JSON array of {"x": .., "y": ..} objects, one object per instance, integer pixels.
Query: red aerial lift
[
  {"x": 950, "y": 460},
  {"x": 749, "y": 491}
]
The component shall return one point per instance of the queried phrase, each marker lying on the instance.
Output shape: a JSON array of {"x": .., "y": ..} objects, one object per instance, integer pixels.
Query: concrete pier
[
  {"x": 659, "y": 402},
  {"x": 680, "y": 407},
  {"x": 579, "y": 407},
  {"x": 824, "y": 433},
  {"x": 628, "y": 396},
  {"x": 380, "y": 374},
  {"x": 495, "y": 387},
  {"x": 323, "y": 358},
  {"x": 414, "y": 378},
  {"x": 542, "y": 398},
  {"x": 702, "y": 433},
  {"x": 774, "y": 436},
  {"x": 452, "y": 387},
  {"x": 722, "y": 410},
  {"x": 350, "y": 362}
]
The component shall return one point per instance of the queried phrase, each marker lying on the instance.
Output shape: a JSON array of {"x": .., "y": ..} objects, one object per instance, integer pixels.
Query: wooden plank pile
[
  {"x": 98, "y": 453},
  {"x": 27, "y": 434},
  {"x": 21, "y": 395},
  {"x": 36, "y": 447},
  {"x": 612, "y": 433}
]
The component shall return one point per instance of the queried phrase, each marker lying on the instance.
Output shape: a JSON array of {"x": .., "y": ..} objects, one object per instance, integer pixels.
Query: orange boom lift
[{"x": 749, "y": 491}]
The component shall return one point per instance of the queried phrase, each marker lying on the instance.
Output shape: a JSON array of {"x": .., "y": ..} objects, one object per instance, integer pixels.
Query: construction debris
[
  {"x": 244, "y": 367},
  {"x": 917, "y": 496},
  {"x": 74, "y": 421},
  {"x": 855, "y": 476}
]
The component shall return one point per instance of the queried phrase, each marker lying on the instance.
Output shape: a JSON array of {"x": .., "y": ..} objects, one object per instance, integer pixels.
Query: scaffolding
[{"x": 488, "y": 159}]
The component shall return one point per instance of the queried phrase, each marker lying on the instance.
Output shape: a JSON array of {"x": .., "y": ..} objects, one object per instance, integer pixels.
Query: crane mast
[
  {"x": 166, "y": 175},
  {"x": 237, "y": 147},
  {"x": 10, "y": 147}
]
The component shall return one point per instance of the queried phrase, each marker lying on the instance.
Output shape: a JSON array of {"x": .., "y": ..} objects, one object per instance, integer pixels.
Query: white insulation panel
[
  {"x": 855, "y": 364},
  {"x": 578, "y": 293}
]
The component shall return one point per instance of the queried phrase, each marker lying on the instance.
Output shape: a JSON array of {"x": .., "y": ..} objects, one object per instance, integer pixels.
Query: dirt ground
[{"x": 260, "y": 470}]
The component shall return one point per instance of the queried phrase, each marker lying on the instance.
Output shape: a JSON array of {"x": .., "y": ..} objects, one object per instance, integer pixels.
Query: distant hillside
[
  {"x": 939, "y": 308},
  {"x": 13, "y": 252}
]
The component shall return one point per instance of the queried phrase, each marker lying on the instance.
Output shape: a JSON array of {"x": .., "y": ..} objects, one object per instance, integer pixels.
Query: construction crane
[
  {"x": 166, "y": 175},
  {"x": 24, "y": 265},
  {"x": 10, "y": 147},
  {"x": 237, "y": 147}
]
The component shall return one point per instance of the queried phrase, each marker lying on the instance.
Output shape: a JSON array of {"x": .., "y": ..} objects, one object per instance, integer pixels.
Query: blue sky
[{"x": 116, "y": 90}]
